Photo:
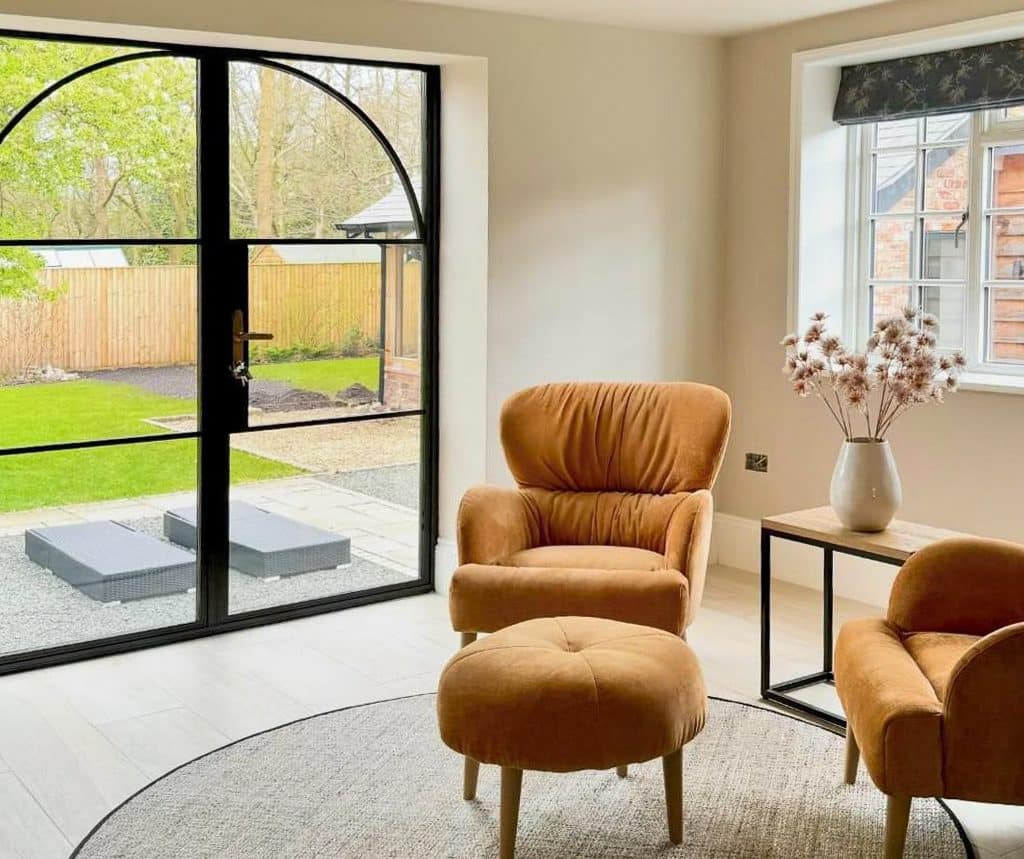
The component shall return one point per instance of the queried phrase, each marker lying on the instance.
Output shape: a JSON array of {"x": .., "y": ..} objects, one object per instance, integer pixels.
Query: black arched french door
[{"x": 218, "y": 340}]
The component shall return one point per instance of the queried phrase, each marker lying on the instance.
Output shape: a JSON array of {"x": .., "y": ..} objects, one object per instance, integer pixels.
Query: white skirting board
[{"x": 736, "y": 542}]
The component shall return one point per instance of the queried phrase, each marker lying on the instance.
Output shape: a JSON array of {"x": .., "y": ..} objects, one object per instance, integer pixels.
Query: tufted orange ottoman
[{"x": 572, "y": 693}]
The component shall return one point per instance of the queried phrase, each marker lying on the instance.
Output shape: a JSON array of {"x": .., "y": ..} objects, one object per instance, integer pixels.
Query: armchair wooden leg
[
  {"x": 470, "y": 772},
  {"x": 622, "y": 771},
  {"x": 673, "y": 767},
  {"x": 897, "y": 816},
  {"x": 511, "y": 788},
  {"x": 852, "y": 757},
  {"x": 466, "y": 638}
]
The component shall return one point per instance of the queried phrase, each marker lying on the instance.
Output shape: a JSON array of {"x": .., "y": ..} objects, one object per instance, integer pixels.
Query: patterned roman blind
[{"x": 977, "y": 78}]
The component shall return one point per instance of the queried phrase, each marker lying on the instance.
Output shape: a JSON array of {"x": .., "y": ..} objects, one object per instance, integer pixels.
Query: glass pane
[
  {"x": 110, "y": 155},
  {"x": 900, "y": 132},
  {"x": 82, "y": 551},
  {"x": 892, "y": 248},
  {"x": 1007, "y": 177},
  {"x": 946, "y": 177},
  {"x": 895, "y": 182},
  {"x": 888, "y": 300},
  {"x": 1006, "y": 247},
  {"x": 1006, "y": 324},
  {"x": 322, "y": 304},
  {"x": 96, "y": 342},
  {"x": 304, "y": 166},
  {"x": 336, "y": 513},
  {"x": 947, "y": 304},
  {"x": 950, "y": 126},
  {"x": 392, "y": 98},
  {"x": 404, "y": 285},
  {"x": 944, "y": 255}
]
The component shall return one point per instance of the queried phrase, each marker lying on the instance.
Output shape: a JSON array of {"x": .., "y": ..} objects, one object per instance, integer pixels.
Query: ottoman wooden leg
[
  {"x": 466, "y": 638},
  {"x": 673, "y": 767},
  {"x": 852, "y": 757},
  {"x": 897, "y": 816},
  {"x": 622, "y": 771},
  {"x": 469, "y": 777},
  {"x": 511, "y": 787}
]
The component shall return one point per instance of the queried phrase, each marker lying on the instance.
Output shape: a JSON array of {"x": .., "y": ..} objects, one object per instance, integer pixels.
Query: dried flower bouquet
[{"x": 900, "y": 368}]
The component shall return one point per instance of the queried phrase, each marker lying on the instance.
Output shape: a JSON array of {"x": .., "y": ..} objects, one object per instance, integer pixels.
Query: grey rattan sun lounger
[
  {"x": 266, "y": 544},
  {"x": 110, "y": 562}
]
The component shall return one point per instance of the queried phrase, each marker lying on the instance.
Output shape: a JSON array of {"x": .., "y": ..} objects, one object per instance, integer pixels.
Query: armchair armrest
[
  {"x": 891, "y": 707},
  {"x": 688, "y": 542},
  {"x": 494, "y": 522},
  {"x": 984, "y": 730},
  {"x": 963, "y": 584}
]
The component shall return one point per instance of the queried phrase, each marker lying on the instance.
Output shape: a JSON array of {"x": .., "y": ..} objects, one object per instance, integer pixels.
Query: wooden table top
[{"x": 898, "y": 542}]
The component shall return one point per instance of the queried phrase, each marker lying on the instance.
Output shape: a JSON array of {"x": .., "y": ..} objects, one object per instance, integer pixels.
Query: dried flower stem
[{"x": 899, "y": 369}]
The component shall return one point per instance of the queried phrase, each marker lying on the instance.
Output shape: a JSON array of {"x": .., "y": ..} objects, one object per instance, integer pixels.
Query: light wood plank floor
[{"x": 76, "y": 740}]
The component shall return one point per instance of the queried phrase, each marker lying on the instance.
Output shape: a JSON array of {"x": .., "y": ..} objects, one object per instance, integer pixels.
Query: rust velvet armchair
[
  {"x": 612, "y": 513},
  {"x": 934, "y": 692}
]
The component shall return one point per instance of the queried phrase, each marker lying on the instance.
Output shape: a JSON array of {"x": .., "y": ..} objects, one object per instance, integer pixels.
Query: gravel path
[
  {"x": 42, "y": 610},
  {"x": 180, "y": 381},
  {"x": 398, "y": 484}
]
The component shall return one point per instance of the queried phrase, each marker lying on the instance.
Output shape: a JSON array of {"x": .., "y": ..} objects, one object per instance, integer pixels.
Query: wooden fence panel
[{"x": 145, "y": 316}]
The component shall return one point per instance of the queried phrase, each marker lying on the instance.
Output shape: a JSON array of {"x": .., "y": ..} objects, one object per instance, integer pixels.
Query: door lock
[
  {"x": 239, "y": 337},
  {"x": 241, "y": 372}
]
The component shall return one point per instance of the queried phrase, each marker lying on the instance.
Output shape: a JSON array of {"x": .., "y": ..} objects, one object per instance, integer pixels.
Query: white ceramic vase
[{"x": 866, "y": 491}]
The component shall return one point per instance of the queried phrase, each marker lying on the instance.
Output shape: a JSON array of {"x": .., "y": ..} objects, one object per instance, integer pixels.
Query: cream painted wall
[
  {"x": 603, "y": 216},
  {"x": 962, "y": 464}
]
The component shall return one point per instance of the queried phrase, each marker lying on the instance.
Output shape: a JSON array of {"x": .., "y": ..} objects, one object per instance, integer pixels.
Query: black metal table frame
[{"x": 778, "y": 693}]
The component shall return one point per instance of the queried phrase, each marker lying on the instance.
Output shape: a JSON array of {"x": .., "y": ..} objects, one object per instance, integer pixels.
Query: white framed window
[{"x": 940, "y": 225}]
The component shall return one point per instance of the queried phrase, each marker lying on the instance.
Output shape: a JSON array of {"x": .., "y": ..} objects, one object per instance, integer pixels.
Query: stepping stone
[
  {"x": 111, "y": 562},
  {"x": 266, "y": 544}
]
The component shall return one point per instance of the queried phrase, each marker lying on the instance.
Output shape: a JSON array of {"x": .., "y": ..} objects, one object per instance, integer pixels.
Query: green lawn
[
  {"x": 328, "y": 376},
  {"x": 85, "y": 409}
]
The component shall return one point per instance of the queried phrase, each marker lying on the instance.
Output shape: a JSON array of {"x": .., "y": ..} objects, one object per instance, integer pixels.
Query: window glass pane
[
  {"x": 950, "y": 126},
  {"x": 946, "y": 177},
  {"x": 304, "y": 166},
  {"x": 892, "y": 248},
  {"x": 900, "y": 132},
  {"x": 895, "y": 182},
  {"x": 947, "y": 304},
  {"x": 345, "y": 497},
  {"x": 1006, "y": 324},
  {"x": 82, "y": 551},
  {"x": 888, "y": 300},
  {"x": 110, "y": 155},
  {"x": 1008, "y": 177},
  {"x": 330, "y": 353},
  {"x": 1006, "y": 247},
  {"x": 944, "y": 255},
  {"x": 96, "y": 342},
  {"x": 392, "y": 98}
]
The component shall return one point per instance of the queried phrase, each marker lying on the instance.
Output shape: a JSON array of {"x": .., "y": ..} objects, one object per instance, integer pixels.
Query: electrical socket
[{"x": 757, "y": 462}]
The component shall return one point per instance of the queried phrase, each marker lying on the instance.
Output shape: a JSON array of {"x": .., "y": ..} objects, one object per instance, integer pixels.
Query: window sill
[{"x": 994, "y": 383}]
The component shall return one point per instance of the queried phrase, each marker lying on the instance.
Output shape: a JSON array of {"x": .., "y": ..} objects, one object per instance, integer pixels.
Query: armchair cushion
[
  {"x": 486, "y": 598},
  {"x": 587, "y": 558},
  {"x": 936, "y": 654}
]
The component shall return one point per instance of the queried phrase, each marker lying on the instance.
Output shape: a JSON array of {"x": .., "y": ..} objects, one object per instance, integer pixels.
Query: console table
[{"x": 820, "y": 527}]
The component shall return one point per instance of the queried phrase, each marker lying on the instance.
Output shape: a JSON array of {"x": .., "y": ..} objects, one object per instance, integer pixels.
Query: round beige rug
[{"x": 375, "y": 781}]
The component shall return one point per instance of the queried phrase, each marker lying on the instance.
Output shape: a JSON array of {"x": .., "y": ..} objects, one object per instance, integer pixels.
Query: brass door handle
[{"x": 239, "y": 337}]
